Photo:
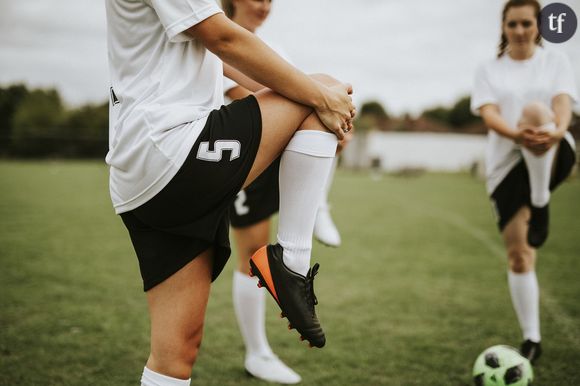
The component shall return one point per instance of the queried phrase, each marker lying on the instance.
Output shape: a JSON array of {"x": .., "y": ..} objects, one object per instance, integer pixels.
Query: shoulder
[
  {"x": 554, "y": 56},
  {"x": 554, "y": 60},
  {"x": 551, "y": 53}
]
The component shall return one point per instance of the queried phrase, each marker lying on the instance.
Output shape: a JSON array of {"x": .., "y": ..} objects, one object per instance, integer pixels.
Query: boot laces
[{"x": 310, "y": 296}]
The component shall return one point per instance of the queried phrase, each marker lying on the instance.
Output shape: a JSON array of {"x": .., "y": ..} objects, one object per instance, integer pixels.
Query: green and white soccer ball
[{"x": 502, "y": 366}]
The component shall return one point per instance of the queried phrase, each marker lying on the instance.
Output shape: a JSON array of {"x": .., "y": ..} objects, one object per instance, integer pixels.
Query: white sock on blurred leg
[
  {"x": 540, "y": 171},
  {"x": 151, "y": 378},
  {"x": 525, "y": 294},
  {"x": 250, "y": 309},
  {"x": 328, "y": 185}
]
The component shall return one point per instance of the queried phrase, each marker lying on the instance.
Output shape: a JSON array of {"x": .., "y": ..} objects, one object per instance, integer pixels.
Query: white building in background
[{"x": 396, "y": 151}]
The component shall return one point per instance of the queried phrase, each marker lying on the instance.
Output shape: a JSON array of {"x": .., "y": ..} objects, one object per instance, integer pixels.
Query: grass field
[{"x": 415, "y": 293}]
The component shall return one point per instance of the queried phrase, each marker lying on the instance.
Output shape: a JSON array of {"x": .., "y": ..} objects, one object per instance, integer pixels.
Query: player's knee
[
  {"x": 537, "y": 113},
  {"x": 177, "y": 357},
  {"x": 520, "y": 259},
  {"x": 190, "y": 350},
  {"x": 186, "y": 354}
]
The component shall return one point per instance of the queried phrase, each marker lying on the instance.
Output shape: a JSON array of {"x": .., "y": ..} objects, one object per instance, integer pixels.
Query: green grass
[{"x": 417, "y": 290}]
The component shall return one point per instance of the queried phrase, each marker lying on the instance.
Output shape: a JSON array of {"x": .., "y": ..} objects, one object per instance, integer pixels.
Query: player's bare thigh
[
  {"x": 521, "y": 257},
  {"x": 281, "y": 118}
]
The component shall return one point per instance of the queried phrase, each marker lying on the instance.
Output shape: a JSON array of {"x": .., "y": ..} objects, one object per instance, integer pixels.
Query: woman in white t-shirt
[
  {"x": 525, "y": 98},
  {"x": 178, "y": 158},
  {"x": 250, "y": 219}
]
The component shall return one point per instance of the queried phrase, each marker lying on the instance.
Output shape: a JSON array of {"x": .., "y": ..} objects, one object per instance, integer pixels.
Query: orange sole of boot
[{"x": 261, "y": 268}]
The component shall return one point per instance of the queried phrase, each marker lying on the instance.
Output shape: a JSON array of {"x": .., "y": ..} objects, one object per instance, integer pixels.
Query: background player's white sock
[
  {"x": 325, "y": 230},
  {"x": 328, "y": 185},
  {"x": 540, "y": 171},
  {"x": 151, "y": 378},
  {"x": 525, "y": 294},
  {"x": 304, "y": 169},
  {"x": 250, "y": 308}
]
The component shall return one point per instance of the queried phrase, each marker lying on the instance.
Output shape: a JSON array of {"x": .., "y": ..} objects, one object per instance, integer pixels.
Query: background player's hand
[
  {"x": 345, "y": 141},
  {"x": 339, "y": 111},
  {"x": 538, "y": 140}
]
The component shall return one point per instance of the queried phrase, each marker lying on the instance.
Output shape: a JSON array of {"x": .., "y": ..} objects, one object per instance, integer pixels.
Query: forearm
[
  {"x": 232, "y": 43},
  {"x": 267, "y": 68},
  {"x": 562, "y": 107},
  {"x": 241, "y": 79},
  {"x": 494, "y": 121}
]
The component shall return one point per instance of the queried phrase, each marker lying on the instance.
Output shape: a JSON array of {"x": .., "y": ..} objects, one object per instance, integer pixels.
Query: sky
[{"x": 407, "y": 54}]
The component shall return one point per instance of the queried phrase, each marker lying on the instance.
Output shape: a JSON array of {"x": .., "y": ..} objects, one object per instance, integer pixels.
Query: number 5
[{"x": 204, "y": 154}]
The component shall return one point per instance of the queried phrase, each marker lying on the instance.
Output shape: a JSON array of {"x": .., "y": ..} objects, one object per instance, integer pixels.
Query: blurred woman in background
[
  {"x": 250, "y": 217},
  {"x": 525, "y": 98}
]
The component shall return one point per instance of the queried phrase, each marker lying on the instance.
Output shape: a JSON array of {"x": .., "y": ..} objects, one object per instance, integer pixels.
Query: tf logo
[{"x": 558, "y": 22}]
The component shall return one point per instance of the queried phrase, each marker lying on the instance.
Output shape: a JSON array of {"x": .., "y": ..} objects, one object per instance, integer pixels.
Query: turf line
[{"x": 565, "y": 321}]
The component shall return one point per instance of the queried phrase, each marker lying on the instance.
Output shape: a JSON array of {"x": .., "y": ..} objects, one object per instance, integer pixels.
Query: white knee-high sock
[
  {"x": 151, "y": 378},
  {"x": 304, "y": 169},
  {"x": 525, "y": 294},
  {"x": 250, "y": 308},
  {"x": 540, "y": 171}
]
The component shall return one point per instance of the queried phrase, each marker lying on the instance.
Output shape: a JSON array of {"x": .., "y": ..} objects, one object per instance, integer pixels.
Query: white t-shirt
[
  {"x": 164, "y": 85},
  {"x": 512, "y": 84}
]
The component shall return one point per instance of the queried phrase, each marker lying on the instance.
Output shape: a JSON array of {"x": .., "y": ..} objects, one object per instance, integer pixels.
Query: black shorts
[
  {"x": 190, "y": 214},
  {"x": 258, "y": 201},
  {"x": 514, "y": 190}
]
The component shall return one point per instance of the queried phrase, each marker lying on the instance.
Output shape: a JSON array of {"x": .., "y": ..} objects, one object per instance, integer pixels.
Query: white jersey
[
  {"x": 164, "y": 84},
  {"x": 511, "y": 84}
]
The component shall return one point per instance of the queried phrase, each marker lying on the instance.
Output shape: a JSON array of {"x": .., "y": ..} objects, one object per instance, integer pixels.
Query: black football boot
[
  {"x": 531, "y": 350},
  {"x": 293, "y": 292},
  {"x": 538, "y": 229}
]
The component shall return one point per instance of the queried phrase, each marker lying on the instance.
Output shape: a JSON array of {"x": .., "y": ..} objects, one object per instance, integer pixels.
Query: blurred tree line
[
  {"x": 35, "y": 123},
  {"x": 457, "y": 118}
]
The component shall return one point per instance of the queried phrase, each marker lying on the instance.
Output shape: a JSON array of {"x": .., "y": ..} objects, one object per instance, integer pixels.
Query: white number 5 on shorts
[{"x": 204, "y": 154}]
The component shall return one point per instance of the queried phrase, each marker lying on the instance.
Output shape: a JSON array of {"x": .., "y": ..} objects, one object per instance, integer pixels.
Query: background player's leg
[
  {"x": 177, "y": 310},
  {"x": 539, "y": 167},
  {"x": 522, "y": 279},
  {"x": 250, "y": 308},
  {"x": 540, "y": 171},
  {"x": 324, "y": 229},
  {"x": 249, "y": 300}
]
